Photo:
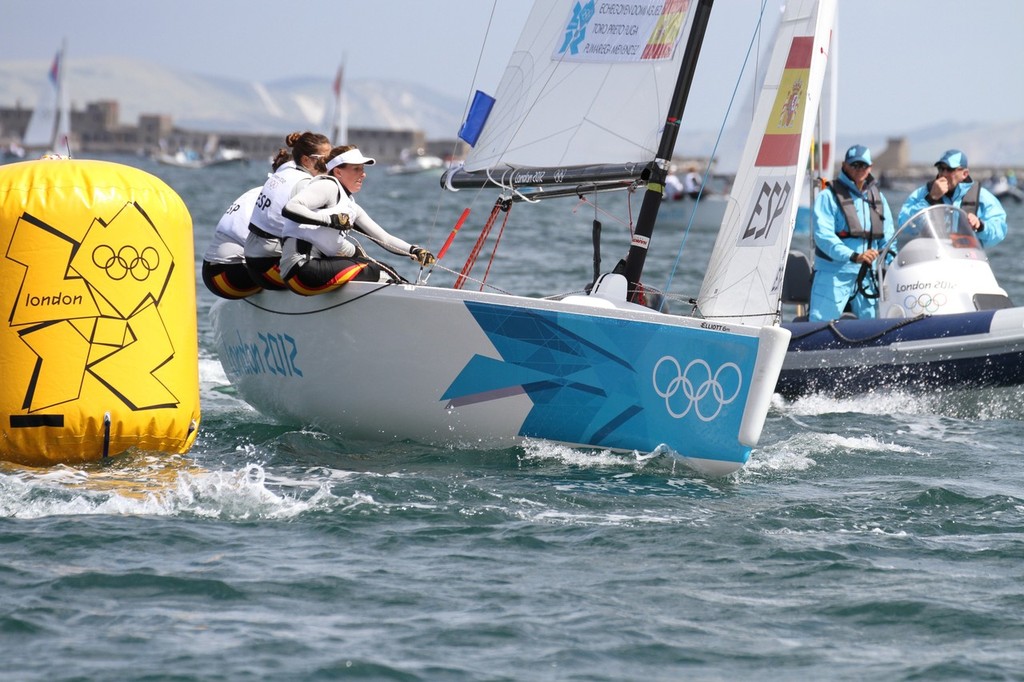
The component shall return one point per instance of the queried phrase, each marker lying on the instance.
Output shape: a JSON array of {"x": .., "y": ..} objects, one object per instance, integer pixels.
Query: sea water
[{"x": 875, "y": 537}]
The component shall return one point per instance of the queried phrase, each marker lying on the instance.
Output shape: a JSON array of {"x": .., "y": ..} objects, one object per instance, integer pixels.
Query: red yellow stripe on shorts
[
  {"x": 780, "y": 145},
  {"x": 343, "y": 277},
  {"x": 226, "y": 288},
  {"x": 274, "y": 275}
]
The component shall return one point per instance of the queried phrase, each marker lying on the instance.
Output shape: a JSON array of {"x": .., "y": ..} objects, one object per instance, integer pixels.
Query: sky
[{"x": 904, "y": 64}]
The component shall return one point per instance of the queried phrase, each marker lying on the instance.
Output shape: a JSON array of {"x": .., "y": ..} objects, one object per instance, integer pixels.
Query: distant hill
[
  {"x": 1000, "y": 144},
  {"x": 215, "y": 104},
  {"x": 228, "y": 105}
]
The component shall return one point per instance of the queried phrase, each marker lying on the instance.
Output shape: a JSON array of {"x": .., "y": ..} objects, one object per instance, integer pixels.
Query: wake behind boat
[
  {"x": 445, "y": 365},
  {"x": 944, "y": 321}
]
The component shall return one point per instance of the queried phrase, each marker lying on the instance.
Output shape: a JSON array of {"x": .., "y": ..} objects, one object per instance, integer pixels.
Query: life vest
[
  {"x": 969, "y": 201},
  {"x": 873, "y": 197},
  {"x": 325, "y": 238},
  {"x": 266, "y": 220}
]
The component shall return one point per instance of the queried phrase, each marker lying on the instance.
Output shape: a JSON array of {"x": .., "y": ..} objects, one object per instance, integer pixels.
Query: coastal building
[{"x": 97, "y": 129}]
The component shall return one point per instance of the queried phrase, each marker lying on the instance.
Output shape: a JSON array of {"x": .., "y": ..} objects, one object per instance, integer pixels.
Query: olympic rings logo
[
  {"x": 127, "y": 260},
  {"x": 925, "y": 303},
  {"x": 699, "y": 387}
]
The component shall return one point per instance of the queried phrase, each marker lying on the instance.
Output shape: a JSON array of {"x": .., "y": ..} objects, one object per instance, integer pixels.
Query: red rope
[
  {"x": 495, "y": 249},
  {"x": 475, "y": 253}
]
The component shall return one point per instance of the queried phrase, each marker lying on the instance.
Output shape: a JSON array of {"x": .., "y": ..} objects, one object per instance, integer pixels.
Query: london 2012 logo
[
  {"x": 127, "y": 260},
  {"x": 89, "y": 305},
  {"x": 696, "y": 388},
  {"x": 576, "y": 30}
]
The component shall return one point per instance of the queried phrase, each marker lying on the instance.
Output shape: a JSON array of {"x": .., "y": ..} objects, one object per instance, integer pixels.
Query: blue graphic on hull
[{"x": 604, "y": 382}]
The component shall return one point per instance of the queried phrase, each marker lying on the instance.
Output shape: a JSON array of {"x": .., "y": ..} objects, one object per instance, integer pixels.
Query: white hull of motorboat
[{"x": 945, "y": 322}]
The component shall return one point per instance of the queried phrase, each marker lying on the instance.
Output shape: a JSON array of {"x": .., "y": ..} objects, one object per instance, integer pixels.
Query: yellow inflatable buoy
[{"x": 99, "y": 353}]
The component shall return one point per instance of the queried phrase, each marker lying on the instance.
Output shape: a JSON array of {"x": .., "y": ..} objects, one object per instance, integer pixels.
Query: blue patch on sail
[{"x": 479, "y": 110}]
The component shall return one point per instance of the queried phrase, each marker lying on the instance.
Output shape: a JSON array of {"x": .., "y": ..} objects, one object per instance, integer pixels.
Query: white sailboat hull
[{"x": 444, "y": 366}]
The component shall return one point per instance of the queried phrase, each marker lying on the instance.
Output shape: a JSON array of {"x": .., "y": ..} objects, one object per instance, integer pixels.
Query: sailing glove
[
  {"x": 422, "y": 256},
  {"x": 340, "y": 221}
]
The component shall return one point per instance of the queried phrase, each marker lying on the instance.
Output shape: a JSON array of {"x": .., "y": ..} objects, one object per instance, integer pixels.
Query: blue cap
[
  {"x": 954, "y": 158},
  {"x": 858, "y": 152}
]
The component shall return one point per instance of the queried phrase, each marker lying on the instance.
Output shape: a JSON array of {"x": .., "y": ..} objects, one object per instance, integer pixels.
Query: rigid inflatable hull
[
  {"x": 445, "y": 366},
  {"x": 962, "y": 350}
]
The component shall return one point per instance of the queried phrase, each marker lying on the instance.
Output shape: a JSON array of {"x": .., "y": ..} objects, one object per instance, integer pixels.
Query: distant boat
[
  {"x": 336, "y": 114},
  {"x": 1003, "y": 189},
  {"x": 417, "y": 161},
  {"x": 49, "y": 128},
  {"x": 211, "y": 155},
  {"x": 13, "y": 152}
]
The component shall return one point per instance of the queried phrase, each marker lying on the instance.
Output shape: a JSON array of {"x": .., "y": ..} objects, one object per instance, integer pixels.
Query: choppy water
[{"x": 879, "y": 537}]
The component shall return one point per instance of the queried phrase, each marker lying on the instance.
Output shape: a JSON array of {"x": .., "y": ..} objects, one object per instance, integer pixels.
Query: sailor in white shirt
[
  {"x": 224, "y": 270},
  {"x": 319, "y": 252},
  {"x": 266, "y": 224}
]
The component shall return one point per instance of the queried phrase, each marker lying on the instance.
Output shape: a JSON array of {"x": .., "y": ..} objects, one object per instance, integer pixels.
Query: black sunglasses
[{"x": 859, "y": 165}]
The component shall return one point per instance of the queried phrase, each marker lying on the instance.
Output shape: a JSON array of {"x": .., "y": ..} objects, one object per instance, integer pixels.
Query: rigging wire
[
  {"x": 721, "y": 131},
  {"x": 465, "y": 111}
]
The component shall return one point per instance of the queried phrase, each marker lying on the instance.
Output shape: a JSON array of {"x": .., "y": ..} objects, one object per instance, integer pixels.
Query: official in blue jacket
[
  {"x": 954, "y": 185},
  {"x": 852, "y": 222}
]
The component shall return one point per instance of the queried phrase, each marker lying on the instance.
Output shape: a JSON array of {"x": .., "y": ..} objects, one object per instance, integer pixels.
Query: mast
[
  {"x": 62, "y": 131},
  {"x": 658, "y": 168}
]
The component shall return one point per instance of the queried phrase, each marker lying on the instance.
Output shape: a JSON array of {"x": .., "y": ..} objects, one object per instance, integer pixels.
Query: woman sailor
[
  {"x": 266, "y": 224},
  {"x": 224, "y": 270},
  {"x": 318, "y": 254}
]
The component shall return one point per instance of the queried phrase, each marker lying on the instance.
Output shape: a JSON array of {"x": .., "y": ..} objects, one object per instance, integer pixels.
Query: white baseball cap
[{"x": 352, "y": 156}]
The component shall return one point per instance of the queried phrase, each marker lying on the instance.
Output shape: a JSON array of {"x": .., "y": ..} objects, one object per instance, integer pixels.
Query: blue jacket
[
  {"x": 990, "y": 212},
  {"x": 829, "y": 222}
]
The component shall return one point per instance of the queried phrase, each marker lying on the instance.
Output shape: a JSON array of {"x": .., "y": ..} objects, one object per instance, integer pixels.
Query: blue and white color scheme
[
  {"x": 578, "y": 110},
  {"x": 493, "y": 368},
  {"x": 944, "y": 322}
]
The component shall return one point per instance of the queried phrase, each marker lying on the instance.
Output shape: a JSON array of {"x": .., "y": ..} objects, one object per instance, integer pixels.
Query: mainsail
[
  {"x": 50, "y": 124},
  {"x": 592, "y": 99},
  {"x": 589, "y": 84},
  {"x": 743, "y": 283}
]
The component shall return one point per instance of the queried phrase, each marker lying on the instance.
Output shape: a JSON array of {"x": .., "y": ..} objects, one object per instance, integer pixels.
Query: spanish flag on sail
[{"x": 780, "y": 145}]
